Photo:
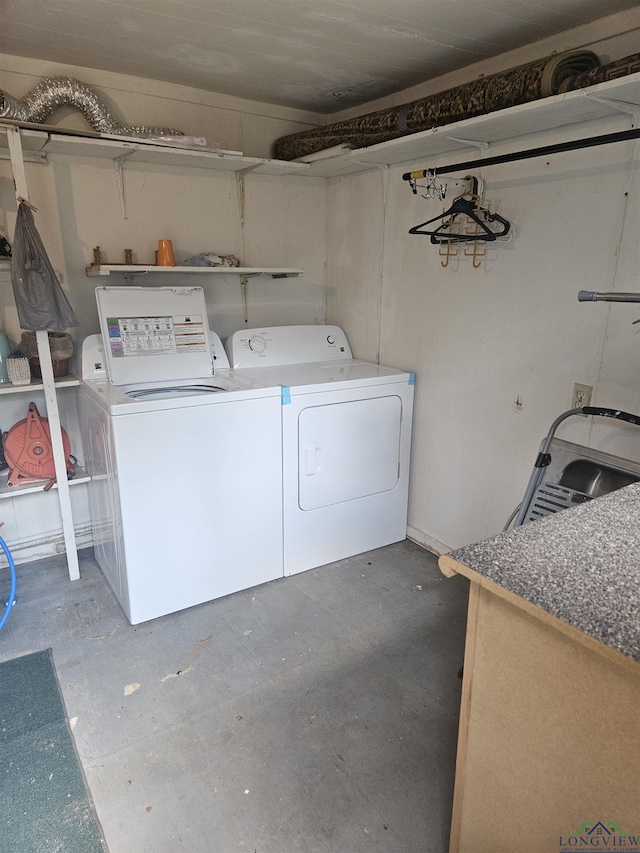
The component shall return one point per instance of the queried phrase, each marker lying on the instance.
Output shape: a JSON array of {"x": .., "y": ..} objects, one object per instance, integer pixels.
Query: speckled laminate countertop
[{"x": 581, "y": 565}]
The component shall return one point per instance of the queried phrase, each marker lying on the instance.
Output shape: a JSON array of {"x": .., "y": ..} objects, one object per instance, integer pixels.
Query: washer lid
[{"x": 154, "y": 333}]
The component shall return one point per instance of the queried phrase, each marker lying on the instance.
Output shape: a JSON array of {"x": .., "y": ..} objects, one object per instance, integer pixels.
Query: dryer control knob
[
  {"x": 331, "y": 340},
  {"x": 257, "y": 344}
]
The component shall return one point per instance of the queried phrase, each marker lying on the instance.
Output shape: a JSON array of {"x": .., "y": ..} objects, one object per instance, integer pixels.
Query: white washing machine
[
  {"x": 346, "y": 428},
  {"x": 186, "y": 494}
]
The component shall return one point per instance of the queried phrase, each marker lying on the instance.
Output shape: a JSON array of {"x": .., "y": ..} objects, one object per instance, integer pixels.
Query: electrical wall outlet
[{"x": 581, "y": 396}]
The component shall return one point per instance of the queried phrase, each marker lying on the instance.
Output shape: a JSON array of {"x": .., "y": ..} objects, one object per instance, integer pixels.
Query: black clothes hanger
[
  {"x": 467, "y": 204},
  {"x": 442, "y": 235}
]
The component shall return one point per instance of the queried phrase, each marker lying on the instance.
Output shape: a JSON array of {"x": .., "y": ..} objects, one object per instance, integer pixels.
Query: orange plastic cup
[{"x": 166, "y": 258}]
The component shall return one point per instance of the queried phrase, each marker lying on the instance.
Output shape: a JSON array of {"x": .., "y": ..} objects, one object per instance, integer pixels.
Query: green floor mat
[{"x": 44, "y": 804}]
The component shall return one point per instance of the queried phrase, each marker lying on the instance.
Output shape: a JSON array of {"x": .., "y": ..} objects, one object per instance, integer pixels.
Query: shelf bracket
[
  {"x": 242, "y": 172},
  {"x": 240, "y": 187},
  {"x": 244, "y": 279},
  {"x": 483, "y": 146},
  {"x": 243, "y": 294},
  {"x": 630, "y": 109},
  {"x": 118, "y": 165},
  {"x": 623, "y": 106}
]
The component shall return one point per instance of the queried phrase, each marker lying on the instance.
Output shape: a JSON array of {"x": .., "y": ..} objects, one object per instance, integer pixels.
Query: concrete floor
[{"x": 316, "y": 713}]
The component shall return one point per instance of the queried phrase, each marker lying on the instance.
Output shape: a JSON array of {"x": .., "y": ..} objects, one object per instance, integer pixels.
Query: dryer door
[{"x": 348, "y": 450}]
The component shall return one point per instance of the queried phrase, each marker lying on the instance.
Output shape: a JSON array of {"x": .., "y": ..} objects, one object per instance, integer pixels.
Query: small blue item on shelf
[{"x": 5, "y": 349}]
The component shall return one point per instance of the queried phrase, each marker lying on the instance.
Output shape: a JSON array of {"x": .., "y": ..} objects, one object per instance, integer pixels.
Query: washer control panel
[{"x": 275, "y": 345}]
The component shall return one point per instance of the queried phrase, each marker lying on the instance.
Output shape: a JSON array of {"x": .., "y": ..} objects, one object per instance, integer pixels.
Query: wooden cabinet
[{"x": 549, "y": 734}]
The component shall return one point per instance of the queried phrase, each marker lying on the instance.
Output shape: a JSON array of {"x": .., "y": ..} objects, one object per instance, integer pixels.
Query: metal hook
[{"x": 433, "y": 190}]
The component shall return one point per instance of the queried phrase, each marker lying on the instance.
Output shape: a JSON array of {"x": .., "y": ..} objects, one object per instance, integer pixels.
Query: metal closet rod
[
  {"x": 528, "y": 154},
  {"x": 593, "y": 296}
]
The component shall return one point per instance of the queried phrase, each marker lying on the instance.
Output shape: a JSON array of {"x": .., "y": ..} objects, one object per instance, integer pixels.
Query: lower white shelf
[
  {"x": 32, "y": 486},
  {"x": 37, "y": 385}
]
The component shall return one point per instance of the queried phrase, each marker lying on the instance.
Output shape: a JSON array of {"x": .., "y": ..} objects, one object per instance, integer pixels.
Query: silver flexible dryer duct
[{"x": 55, "y": 92}]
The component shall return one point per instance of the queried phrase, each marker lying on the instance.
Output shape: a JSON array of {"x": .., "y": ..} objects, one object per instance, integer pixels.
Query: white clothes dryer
[
  {"x": 346, "y": 427},
  {"x": 185, "y": 459}
]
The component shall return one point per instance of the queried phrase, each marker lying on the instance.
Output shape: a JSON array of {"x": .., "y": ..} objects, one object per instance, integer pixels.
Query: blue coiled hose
[{"x": 12, "y": 595}]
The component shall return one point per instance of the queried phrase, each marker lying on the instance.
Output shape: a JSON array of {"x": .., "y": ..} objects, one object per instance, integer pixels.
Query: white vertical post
[{"x": 51, "y": 400}]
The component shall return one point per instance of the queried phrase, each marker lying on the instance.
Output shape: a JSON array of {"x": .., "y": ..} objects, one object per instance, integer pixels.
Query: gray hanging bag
[{"x": 40, "y": 300}]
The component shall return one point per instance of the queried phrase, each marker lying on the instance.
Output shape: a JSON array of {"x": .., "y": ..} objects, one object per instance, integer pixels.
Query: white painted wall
[
  {"x": 79, "y": 207},
  {"x": 479, "y": 339}
]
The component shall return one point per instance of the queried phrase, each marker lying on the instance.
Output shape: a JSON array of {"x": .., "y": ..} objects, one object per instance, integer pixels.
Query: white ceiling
[{"x": 321, "y": 55}]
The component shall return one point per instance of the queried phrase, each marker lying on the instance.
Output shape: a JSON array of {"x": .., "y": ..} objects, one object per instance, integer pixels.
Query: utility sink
[{"x": 594, "y": 478}]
